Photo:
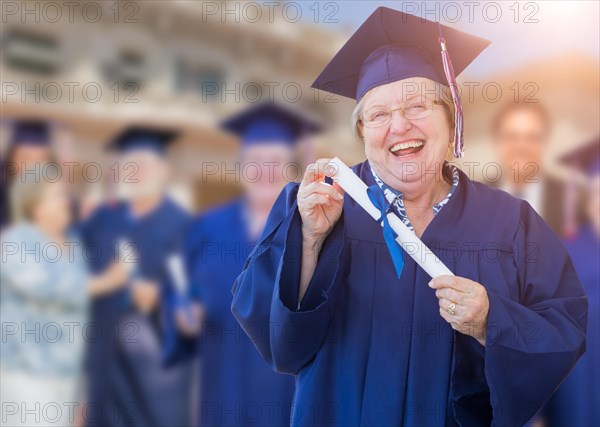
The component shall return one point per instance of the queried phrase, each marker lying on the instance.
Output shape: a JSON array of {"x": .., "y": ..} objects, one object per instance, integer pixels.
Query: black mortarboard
[
  {"x": 135, "y": 138},
  {"x": 30, "y": 132},
  {"x": 391, "y": 46},
  {"x": 269, "y": 122}
]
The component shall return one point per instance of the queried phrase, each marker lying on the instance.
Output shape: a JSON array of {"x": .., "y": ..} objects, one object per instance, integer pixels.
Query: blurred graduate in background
[
  {"x": 238, "y": 387},
  {"x": 521, "y": 132},
  {"x": 30, "y": 147},
  {"x": 576, "y": 401},
  {"x": 128, "y": 383}
]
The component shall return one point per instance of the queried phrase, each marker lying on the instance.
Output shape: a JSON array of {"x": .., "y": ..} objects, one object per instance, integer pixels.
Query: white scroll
[
  {"x": 127, "y": 255},
  {"x": 177, "y": 272},
  {"x": 407, "y": 239}
]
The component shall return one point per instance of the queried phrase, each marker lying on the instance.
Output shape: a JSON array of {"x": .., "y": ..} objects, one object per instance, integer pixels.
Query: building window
[
  {"x": 203, "y": 80},
  {"x": 128, "y": 70},
  {"x": 32, "y": 52}
]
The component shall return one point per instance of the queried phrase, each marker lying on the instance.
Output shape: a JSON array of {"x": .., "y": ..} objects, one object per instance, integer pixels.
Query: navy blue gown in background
[
  {"x": 577, "y": 401},
  {"x": 4, "y": 202},
  {"x": 371, "y": 349},
  {"x": 237, "y": 387},
  {"x": 128, "y": 384}
]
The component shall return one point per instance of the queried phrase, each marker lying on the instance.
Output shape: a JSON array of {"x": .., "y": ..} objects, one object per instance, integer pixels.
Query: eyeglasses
[{"x": 380, "y": 116}]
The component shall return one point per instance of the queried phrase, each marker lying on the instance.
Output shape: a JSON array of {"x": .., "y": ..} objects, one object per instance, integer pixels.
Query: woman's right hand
[
  {"x": 115, "y": 277},
  {"x": 320, "y": 204}
]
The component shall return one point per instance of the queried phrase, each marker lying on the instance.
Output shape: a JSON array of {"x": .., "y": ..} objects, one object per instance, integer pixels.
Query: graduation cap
[
  {"x": 30, "y": 132},
  {"x": 391, "y": 46},
  {"x": 269, "y": 123},
  {"x": 143, "y": 138},
  {"x": 586, "y": 158}
]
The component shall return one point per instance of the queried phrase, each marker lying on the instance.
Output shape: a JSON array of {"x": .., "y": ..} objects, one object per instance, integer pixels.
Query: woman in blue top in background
[
  {"x": 371, "y": 338},
  {"x": 237, "y": 387},
  {"x": 45, "y": 290}
]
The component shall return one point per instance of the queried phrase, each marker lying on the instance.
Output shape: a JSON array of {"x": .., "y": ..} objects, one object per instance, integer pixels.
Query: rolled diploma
[
  {"x": 127, "y": 255},
  {"x": 177, "y": 272},
  {"x": 407, "y": 239}
]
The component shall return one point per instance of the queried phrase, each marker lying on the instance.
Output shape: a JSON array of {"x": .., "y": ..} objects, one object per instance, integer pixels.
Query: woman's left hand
[{"x": 464, "y": 304}]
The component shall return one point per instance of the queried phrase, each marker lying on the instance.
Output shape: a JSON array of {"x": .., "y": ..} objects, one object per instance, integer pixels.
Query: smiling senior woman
[{"x": 320, "y": 295}]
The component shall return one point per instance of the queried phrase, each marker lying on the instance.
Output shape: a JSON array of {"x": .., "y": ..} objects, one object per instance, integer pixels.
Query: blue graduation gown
[
  {"x": 128, "y": 384},
  {"x": 371, "y": 349},
  {"x": 577, "y": 401},
  {"x": 237, "y": 387}
]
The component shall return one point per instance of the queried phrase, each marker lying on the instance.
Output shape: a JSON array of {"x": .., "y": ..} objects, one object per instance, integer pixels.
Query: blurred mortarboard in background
[
  {"x": 269, "y": 123},
  {"x": 390, "y": 46},
  {"x": 143, "y": 138},
  {"x": 30, "y": 132},
  {"x": 586, "y": 158}
]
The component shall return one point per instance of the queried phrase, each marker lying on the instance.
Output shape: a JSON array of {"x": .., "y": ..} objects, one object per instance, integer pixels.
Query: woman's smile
[{"x": 407, "y": 148}]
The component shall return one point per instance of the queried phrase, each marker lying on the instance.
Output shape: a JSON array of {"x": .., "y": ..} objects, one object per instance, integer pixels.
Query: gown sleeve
[
  {"x": 265, "y": 295},
  {"x": 531, "y": 344}
]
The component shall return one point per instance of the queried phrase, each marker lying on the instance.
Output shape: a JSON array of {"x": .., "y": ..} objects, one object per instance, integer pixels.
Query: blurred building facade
[{"x": 95, "y": 67}]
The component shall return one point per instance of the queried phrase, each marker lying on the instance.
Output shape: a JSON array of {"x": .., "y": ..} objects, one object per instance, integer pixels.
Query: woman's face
[
  {"x": 265, "y": 167},
  {"x": 143, "y": 173},
  {"x": 53, "y": 210},
  {"x": 29, "y": 157},
  {"x": 424, "y": 143}
]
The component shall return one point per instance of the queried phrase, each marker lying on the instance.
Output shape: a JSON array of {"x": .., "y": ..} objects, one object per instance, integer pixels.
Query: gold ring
[{"x": 451, "y": 308}]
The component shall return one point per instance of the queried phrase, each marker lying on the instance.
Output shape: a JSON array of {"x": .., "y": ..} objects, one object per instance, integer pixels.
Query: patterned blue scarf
[{"x": 396, "y": 198}]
